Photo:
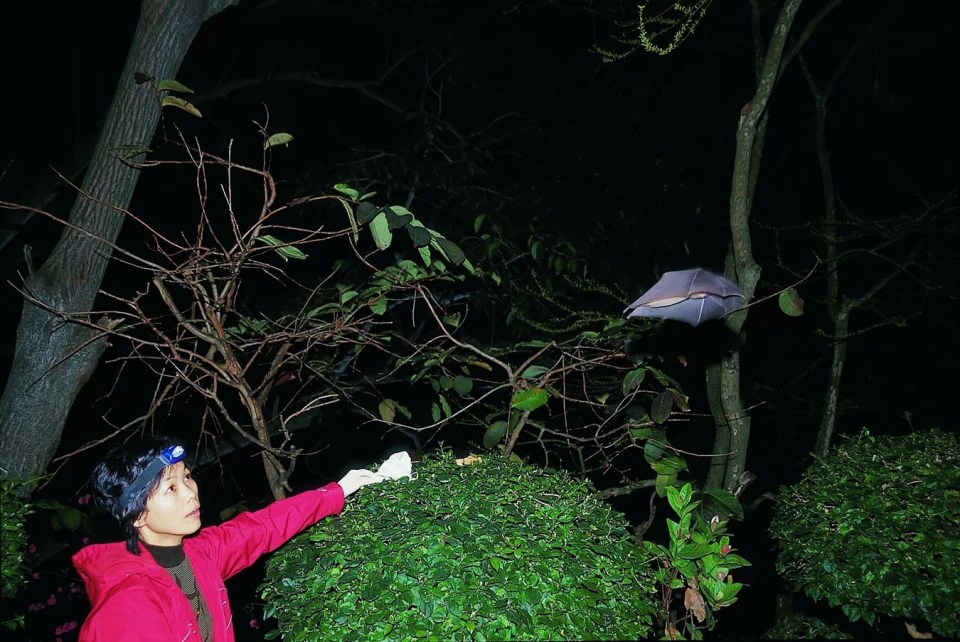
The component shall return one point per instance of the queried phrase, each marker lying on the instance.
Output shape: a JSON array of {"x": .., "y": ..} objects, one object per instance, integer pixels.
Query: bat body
[{"x": 692, "y": 296}]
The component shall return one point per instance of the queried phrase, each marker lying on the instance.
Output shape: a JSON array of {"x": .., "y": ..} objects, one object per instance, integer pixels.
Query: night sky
[{"x": 637, "y": 153}]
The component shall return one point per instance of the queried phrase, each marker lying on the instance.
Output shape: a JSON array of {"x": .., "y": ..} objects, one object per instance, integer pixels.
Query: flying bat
[{"x": 692, "y": 296}]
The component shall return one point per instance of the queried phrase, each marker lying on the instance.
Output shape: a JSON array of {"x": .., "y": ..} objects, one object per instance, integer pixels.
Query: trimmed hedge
[
  {"x": 494, "y": 550},
  {"x": 874, "y": 528},
  {"x": 801, "y": 627}
]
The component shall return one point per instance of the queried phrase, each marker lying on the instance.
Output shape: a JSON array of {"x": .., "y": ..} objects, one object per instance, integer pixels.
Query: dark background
[{"x": 640, "y": 149}]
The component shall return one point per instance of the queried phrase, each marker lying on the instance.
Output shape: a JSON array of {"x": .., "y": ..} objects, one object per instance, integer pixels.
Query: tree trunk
[
  {"x": 53, "y": 359},
  {"x": 733, "y": 424},
  {"x": 839, "y": 313},
  {"x": 828, "y": 417}
]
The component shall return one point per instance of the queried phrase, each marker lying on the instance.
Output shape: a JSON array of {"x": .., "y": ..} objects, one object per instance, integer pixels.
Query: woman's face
[{"x": 173, "y": 510}]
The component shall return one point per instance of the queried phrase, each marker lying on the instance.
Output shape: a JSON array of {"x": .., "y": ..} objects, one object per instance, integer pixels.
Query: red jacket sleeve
[{"x": 237, "y": 543}]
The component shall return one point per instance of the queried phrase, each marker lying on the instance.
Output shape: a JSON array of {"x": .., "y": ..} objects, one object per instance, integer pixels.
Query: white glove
[
  {"x": 357, "y": 479},
  {"x": 396, "y": 466}
]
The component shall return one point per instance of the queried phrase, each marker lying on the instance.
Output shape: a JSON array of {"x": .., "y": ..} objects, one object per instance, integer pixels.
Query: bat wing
[{"x": 692, "y": 296}]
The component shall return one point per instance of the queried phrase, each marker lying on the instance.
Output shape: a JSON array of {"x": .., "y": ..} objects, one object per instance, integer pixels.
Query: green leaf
[
  {"x": 682, "y": 400},
  {"x": 535, "y": 250},
  {"x": 452, "y": 320},
  {"x": 169, "y": 84},
  {"x": 494, "y": 433},
  {"x": 346, "y": 190},
  {"x": 729, "y": 591},
  {"x": 532, "y": 372},
  {"x": 277, "y": 139},
  {"x": 420, "y": 236},
  {"x": 637, "y": 414},
  {"x": 633, "y": 379},
  {"x": 462, "y": 385},
  {"x": 398, "y": 216},
  {"x": 686, "y": 494},
  {"x": 366, "y": 212},
  {"x": 451, "y": 250},
  {"x": 425, "y": 255},
  {"x": 529, "y": 399},
  {"x": 727, "y": 501},
  {"x": 673, "y": 498},
  {"x": 379, "y": 305},
  {"x": 352, "y": 219},
  {"x": 447, "y": 411},
  {"x": 291, "y": 252},
  {"x": 653, "y": 450},
  {"x": 129, "y": 152},
  {"x": 732, "y": 560},
  {"x": 669, "y": 465},
  {"x": 664, "y": 482},
  {"x": 694, "y": 551},
  {"x": 478, "y": 223},
  {"x": 661, "y": 407},
  {"x": 380, "y": 231},
  {"x": 180, "y": 103},
  {"x": 790, "y": 303},
  {"x": 387, "y": 410},
  {"x": 285, "y": 251}
]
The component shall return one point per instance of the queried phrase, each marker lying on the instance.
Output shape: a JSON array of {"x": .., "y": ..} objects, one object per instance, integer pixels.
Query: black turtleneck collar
[{"x": 166, "y": 556}]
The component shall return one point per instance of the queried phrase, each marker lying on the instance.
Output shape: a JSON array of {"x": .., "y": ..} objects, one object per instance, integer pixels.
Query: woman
[{"x": 166, "y": 581}]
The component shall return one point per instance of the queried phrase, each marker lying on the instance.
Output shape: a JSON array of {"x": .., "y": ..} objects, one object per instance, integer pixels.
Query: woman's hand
[{"x": 357, "y": 479}]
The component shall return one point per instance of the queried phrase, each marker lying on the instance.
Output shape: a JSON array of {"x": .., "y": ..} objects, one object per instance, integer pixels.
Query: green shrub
[
  {"x": 874, "y": 528},
  {"x": 13, "y": 543},
  {"x": 494, "y": 550},
  {"x": 694, "y": 567},
  {"x": 801, "y": 627}
]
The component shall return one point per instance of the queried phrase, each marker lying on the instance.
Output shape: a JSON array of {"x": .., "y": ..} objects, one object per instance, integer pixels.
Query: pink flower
[
  {"x": 725, "y": 549},
  {"x": 83, "y": 501},
  {"x": 51, "y": 600},
  {"x": 31, "y": 549},
  {"x": 66, "y": 628},
  {"x": 254, "y": 624},
  {"x": 36, "y": 576}
]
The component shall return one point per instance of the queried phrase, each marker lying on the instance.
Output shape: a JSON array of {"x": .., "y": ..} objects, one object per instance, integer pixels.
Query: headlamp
[{"x": 167, "y": 457}]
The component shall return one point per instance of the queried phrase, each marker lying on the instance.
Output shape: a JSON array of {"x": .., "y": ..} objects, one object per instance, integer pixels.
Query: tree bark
[
  {"x": 723, "y": 380},
  {"x": 828, "y": 417},
  {"x": 53, "y": 358}
]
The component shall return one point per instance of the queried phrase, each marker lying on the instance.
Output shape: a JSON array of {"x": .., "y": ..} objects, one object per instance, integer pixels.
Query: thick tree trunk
[
  {"x": 54, "y": 359},
  {"x": 730, "y": 417}
]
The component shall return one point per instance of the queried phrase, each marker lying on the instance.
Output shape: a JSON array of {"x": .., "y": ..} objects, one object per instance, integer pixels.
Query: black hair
[{"x": 117, "y": 471}]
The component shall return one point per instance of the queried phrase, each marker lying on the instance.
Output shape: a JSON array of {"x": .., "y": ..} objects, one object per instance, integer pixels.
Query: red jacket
[{"x": 134, "y": 598}]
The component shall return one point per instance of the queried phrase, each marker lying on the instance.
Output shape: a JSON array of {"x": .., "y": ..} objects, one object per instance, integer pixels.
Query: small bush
[
  {"x": 494, "y": 550},
  {"x": 801, "y": 627},
  {"x": 874, "y": 527}
]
